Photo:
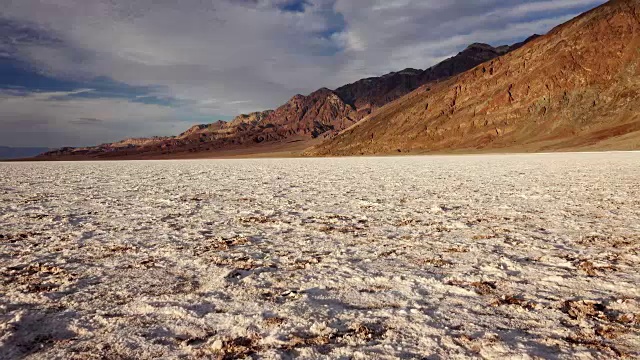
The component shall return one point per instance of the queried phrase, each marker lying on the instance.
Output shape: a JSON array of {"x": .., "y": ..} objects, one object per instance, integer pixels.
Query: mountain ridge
[
  {"x": 576, "y": 87},
  {"x": 573, "y": 88},
  {"x": 320, "y": 115}
]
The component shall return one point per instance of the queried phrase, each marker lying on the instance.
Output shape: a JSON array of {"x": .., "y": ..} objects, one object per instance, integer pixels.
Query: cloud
[
  {"x": 203, "y": 60},
  {"x": 52, "y": 119},
  {"x": 396, "y": 34},
  {"x": 87, "y": 121}
]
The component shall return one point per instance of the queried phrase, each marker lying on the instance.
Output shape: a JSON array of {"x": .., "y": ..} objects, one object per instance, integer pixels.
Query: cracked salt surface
[{"x": 525, "y": 256}]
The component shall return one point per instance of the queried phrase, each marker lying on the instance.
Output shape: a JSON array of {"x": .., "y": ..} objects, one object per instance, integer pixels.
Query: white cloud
[{"x": 52, "y": 119}]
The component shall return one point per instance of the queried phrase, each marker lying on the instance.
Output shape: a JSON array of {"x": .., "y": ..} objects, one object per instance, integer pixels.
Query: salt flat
[{"x": 516, "y": 256}]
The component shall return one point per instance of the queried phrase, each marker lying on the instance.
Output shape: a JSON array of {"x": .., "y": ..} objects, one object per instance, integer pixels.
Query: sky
[{"x": 85, "y": 72}]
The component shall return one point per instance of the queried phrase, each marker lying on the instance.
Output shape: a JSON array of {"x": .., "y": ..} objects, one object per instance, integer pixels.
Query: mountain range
[
  {"x": 575, "y": 88},
  {"x": 571, "y": 89}
]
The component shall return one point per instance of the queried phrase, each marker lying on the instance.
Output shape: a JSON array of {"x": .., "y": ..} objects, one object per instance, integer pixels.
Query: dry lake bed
[{"x": 494, "y": 256}]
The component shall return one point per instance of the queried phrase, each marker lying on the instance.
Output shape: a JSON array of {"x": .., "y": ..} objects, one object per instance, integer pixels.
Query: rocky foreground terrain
[{"x": 514, "y": 256}]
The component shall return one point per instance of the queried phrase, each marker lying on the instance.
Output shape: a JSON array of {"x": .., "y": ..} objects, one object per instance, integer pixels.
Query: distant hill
[{"x": 7, "y": 152}]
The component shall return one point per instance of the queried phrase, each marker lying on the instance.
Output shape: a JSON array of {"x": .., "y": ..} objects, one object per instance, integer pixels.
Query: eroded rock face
[{"x": 575, "y": 88}]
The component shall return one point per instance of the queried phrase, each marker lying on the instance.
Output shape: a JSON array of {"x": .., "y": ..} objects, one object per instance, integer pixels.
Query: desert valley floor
[{"x": 436, "y": 257}]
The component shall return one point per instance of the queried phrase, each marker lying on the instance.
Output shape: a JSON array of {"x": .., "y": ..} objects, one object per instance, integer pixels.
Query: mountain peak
[
  {"x": 321, "y": 92},
  {"x": 479, "y": 46}
]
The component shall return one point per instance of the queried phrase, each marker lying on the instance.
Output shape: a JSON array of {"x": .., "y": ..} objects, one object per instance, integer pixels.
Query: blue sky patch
[
  {"x": 18, "y": 76},
  {"x": 294, "y": 6}
]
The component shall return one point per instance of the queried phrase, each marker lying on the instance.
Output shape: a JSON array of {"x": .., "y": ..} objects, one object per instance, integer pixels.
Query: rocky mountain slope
[
  {"x": 577, "y": 87},
  {"x": 319, "y": 115}
]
